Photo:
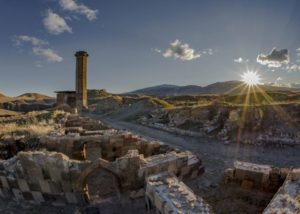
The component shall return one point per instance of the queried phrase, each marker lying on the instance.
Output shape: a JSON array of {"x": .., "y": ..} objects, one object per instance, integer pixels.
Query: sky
[{"x": 134, "y": 44}]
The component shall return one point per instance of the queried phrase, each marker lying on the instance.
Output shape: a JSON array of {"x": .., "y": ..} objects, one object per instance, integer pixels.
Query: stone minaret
[{"x": 81, "y": 80}]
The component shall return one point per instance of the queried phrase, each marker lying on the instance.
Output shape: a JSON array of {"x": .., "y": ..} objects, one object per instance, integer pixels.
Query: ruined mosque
[
  {"x": 92, "y": 162},
  {"x": 77, "y": 99}
]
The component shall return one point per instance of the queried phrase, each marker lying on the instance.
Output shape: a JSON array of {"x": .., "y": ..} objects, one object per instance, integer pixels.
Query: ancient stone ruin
[
  {"x": 90, "y": 163},
  {"x": 76, "y": 99},
  {"x": 80, "y": 168}
]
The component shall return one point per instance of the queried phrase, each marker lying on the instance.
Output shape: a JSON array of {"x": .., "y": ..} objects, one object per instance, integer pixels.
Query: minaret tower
[{"x": 81, "y": 80}]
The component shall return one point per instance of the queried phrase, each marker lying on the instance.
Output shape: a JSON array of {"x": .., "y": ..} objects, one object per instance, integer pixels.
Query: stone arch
[{"x": 96, "y": 165}]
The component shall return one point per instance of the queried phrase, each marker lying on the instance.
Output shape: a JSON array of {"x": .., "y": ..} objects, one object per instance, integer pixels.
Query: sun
[{"x": 251, "y": 78}]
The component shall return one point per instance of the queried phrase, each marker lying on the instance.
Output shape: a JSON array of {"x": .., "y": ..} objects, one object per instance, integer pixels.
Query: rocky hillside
[
  {"x": 266, "y": 124},
  {"x": 27, "y": 102}
]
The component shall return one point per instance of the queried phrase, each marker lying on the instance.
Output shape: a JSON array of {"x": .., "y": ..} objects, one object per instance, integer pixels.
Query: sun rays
[
  {"x": 251, "y": 78},
  {"x": 254, "y": 88}
]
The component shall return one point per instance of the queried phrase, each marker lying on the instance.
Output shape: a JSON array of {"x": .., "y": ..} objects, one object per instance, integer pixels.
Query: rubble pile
[
  {"x": 83, "y": 125},
  {"x": 287, "y": 199},
  {"x": 258, "y": 125},
  {"x": 166, "y": 194},
  {"x": 41, "y": 177},
  {"x": 59, "y": 170}
]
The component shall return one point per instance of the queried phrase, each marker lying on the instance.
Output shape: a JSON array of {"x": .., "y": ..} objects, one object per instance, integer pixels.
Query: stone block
[
  {"x": 46, "y": 174},
  {"x": 141, "y": 173},
  {"x": 66, "y": 186},
  {"x": 71, "y": 198},
  {"x": 59, "y": 203},
  {"x": 17, "y": 194},
  {"x": 27, "y": 196},
  {"x": 7, "y": 193},
  {"x": 4, "y": 182},
  {"x": 45, "y": 187},
  {"x": 247, "y": 184},
  {"x": 93, "y": 152},
  {"x": 194, "y": 174},
  {"x": 32, "y": 170},
  {"x": 35, "y": 174},
  {"x": 55, "y": 172},
  {"x": 172, "y": 168},
  {"x": 240, "y": 174},
  {"x": 55, "y": 187},
  {"x": 34, "y": 187},
  {"x": 48, "y": 197},
  {"x": 256, "y": 177},
  {"x": 12, "y": 182},
  {"x": 137, "y": 194},
  {"x": 23, "y": 186},
  {"x": 37, "y": 197},
  {"x": 180, "y": 162},
  {"x": 158, "y": 202},
  {"x": 185, "y": 171}
]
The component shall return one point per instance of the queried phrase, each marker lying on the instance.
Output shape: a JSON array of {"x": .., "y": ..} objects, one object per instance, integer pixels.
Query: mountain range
[{"x": 228, "y": 87}]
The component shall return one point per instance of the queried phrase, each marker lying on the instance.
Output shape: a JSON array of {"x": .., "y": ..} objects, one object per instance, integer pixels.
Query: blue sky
[{"x": 135, "y": 44}]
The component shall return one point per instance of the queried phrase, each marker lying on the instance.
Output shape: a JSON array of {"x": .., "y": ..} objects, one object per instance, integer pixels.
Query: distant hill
[
  {"x": 228, "y": 87},
  {"x": 26, "y": 102},
  {"x": 33, "y": 96}
]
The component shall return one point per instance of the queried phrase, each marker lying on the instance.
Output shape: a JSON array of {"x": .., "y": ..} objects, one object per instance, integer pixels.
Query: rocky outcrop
[{"x": 260, "y": 125}]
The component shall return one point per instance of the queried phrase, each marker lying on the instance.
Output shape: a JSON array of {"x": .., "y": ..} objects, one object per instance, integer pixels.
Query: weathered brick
[
  {"x": 23, "y": 186},
  {"x": 45, "y": 187},
  {"x": 38, "y": 197},
  {"x": 4, "y": 182}
]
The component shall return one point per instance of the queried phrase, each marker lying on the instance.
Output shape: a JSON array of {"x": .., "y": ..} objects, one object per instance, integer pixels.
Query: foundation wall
[
  {"x": 255, "y": 176},
  {"x": 108, "y": 147},
  {"x": 41, "y": 177}
]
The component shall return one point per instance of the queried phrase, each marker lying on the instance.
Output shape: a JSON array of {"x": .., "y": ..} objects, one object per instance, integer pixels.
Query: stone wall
[
  {"x": 109, "y": 146},
  {"x": 166, "y": 194},
  {"x": 287, "y": 199},
  {"x": 42, "y": 177},
  {"x": 256, "y": 176},
  {"x": 184, "y": 165},
  {"x": 51, "y": 177}
]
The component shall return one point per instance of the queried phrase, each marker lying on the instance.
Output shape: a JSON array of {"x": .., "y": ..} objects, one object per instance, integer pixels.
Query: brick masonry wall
[{"x": 41, "y": 177}]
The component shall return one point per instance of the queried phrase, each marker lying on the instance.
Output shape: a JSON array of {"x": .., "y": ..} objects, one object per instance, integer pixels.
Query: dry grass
[
  {"x": 31, "y": 124},
  {"x": 32, "y": 130}
]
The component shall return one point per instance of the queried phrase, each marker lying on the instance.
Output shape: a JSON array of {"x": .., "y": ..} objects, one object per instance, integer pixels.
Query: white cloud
[
  {"x": 208, "y": 51},
  {"x": 292, "y": 67},
  {"x": 157, "y": 50},
  {"x": 279, "y": 82},
  {"x": 56, "y": 24},
  {"x": 33, "y": 40},
  {"x": 39, "y": 48},
  {"x": 298, "y": 51},
  {"x": 73, "y": 6},
  {"x": 47, "y": 54},
  {"x": 179, "y": 50},
  {"x": 275, "y": 59},
  {"x": 240, "y": 60},
  {"x": 295, "y": 85}
]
